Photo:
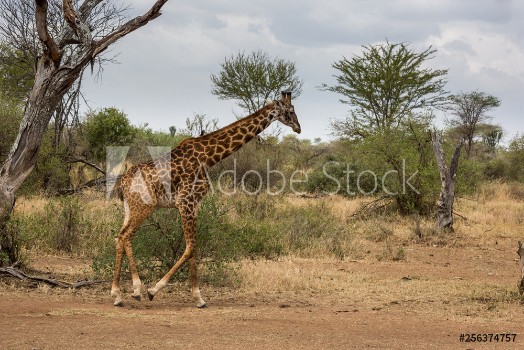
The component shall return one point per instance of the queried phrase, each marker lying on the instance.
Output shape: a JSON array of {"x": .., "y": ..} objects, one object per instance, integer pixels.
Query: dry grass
[
  {"x": 387, "y": 261},
  {"x": 496, "y": 213},
  {"x": 403, "y": 262}
]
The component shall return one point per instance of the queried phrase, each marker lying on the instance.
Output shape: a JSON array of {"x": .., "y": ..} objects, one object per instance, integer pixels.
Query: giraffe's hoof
[
  {"x": 118, "y": 303},
  {"x": 203, "y": 306},
  {"x": 136, "y": 297},
  {"x": 150, "y": 296}
]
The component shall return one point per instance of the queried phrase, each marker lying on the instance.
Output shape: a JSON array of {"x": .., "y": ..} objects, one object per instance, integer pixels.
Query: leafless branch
[
  {"x": 129, "y": 26},
  {"x": 78, "y": 160},
  {"x": 49, "y": 44},
  {"x": 460, "y": 216},
  {"x": 372, "y": 206},
  {"x": 100, "y": 181}
]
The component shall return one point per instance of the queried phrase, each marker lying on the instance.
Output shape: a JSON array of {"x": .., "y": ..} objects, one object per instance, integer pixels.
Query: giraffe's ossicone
[{"x": 178, "y": 180}]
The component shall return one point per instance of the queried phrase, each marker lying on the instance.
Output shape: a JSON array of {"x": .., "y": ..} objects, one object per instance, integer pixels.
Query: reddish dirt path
[
  {"x": 377, "y": 308},
  {"x": 36, "y": 323}
]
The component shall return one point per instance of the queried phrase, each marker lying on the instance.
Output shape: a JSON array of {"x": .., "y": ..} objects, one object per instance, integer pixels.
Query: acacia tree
[
  {"x": 254, "y": 78},
  {"x": 77, "y": 42},
  {"x": 391, "y": 95},
  {"x": 469, "y": 110},
  {"x": 384, "y": 86}
]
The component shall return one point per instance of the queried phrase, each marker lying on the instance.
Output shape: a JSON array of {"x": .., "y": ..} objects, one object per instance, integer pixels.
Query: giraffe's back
[{"x": 159, "y": 182}]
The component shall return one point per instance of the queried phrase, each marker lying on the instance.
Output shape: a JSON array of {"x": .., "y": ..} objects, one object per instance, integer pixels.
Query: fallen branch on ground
[
  {"x": 460, "y": 216},
  {"x": 13, "y": 271},
  {"x": 371, "y": 207}
]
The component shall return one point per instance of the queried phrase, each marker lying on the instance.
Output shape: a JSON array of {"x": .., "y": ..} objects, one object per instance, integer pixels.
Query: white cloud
[
  {"x": 165, "y": 67},
  {"x": 481, "y": 47}
]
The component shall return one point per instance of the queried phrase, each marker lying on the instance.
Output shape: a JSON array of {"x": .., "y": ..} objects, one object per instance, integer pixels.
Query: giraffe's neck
[{"x": 223, "y": 142}]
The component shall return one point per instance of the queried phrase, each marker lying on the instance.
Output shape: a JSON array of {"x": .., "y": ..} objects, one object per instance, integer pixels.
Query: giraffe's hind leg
[
  {"x": 137, "y": 284},
  {"x": 132, "y": 220},
  {"x": 137, "y": 217},
  {"x": 115, "y": 288}
]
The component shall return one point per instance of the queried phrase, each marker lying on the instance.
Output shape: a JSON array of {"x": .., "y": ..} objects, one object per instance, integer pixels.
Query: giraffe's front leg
[
  {"x": 151, "y": 292},
  {"x": 188, "y": 215},
  {"x": 195, "y": 290},
  {"x": 115, "y": 288}
]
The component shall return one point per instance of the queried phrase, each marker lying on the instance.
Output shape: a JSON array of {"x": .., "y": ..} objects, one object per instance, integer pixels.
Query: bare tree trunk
[
  {"x": 520, "y": 252},
  {"x": 448, "y": 177},
  {"x": 56, "y": 72}
]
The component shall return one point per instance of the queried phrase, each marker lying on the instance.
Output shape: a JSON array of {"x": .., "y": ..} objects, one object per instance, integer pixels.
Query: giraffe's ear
[{"x": 286, "y": 96}]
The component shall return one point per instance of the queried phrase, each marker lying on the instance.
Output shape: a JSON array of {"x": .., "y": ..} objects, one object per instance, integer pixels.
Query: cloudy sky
[{"x": 164, "y": 69}]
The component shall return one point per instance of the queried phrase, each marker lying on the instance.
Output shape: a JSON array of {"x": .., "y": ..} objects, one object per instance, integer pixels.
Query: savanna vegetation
[
  {"x": 275, "y": 196},
  {"x": 367, "y": 193}
]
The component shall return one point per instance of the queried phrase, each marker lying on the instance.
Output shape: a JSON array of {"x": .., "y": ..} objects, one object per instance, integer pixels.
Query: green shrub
[
  {"x": 159, "y": 243},
  {"x": 10, "y": 242},
  {"x": 271, "y": 228},
  {"x": 496, "y": 168}
]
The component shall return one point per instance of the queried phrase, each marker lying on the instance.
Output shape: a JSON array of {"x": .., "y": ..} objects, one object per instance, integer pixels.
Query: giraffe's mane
[{"x": 238, "y": 122}]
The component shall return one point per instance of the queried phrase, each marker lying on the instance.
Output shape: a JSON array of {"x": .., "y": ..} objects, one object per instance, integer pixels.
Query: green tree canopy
[
  {"x": 253, "y": 78},
  {"x": 108, "y": 127},
  {"x": 384, "y": 86},
  {"x": 469, "y": 110},
  {"x": 516, "y": 158},
  {"x": 16, "y": 73}
]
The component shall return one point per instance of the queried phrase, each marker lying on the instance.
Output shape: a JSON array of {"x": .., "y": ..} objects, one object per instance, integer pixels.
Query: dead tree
[
  {"x": 520, "y": 252},
  {"x": 62, "y": 60},
  {"x": 448, "y": 178}
]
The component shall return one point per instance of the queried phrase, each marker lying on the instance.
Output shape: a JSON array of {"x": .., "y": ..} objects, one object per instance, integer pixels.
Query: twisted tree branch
[
  {"x": 128, "y": 27},
  {"x": 50, "y": 47}
]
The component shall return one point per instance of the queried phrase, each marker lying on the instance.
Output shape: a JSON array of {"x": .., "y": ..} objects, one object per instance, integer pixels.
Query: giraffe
[{"x": 177, "y": 180}]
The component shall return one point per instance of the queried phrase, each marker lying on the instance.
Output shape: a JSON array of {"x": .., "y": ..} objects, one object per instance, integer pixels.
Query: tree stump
[
  {"x": 520, "y": 252},
  {"x": 448, "y": 177}
]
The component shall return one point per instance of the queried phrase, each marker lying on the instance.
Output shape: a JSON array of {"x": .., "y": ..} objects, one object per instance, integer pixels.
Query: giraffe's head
[{"x": 285, "y": 112}]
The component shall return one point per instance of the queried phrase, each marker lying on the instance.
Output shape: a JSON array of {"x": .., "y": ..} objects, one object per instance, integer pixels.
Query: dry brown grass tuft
[{"x": 496, "y": 213}]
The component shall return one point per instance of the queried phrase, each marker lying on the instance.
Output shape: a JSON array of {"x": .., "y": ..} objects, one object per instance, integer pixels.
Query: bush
[
  {"x": 496, "y": 168},
  {"x": 59, "y": 227},
  {"x": 159, "y": 243},
  {"x": 10, "y": 117},
  {"x": 108, "y": 127},
  {"x": 516, "y": 158},
  {"x": 51, "y": 171},
  {"x": 272, "y": 227},
  {"x": 10, "y": 241}
]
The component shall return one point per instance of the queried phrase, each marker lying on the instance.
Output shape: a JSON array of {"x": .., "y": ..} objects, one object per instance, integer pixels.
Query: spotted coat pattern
[{"x": 179, "y": 180}]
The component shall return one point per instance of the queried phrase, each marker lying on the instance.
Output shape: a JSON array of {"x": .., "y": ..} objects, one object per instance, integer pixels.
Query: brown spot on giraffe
[{"x": 146, "y": 186}]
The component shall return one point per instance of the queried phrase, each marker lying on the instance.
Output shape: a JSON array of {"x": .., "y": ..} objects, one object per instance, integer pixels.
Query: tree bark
[
  {"x": 448, "y": 178},
  {"x": 55, "y": 75},
  {"x": 520, "y": 252}
]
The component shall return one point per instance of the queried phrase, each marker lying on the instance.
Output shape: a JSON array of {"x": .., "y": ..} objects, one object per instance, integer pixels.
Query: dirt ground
[{"x": 425, "y": 302}]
